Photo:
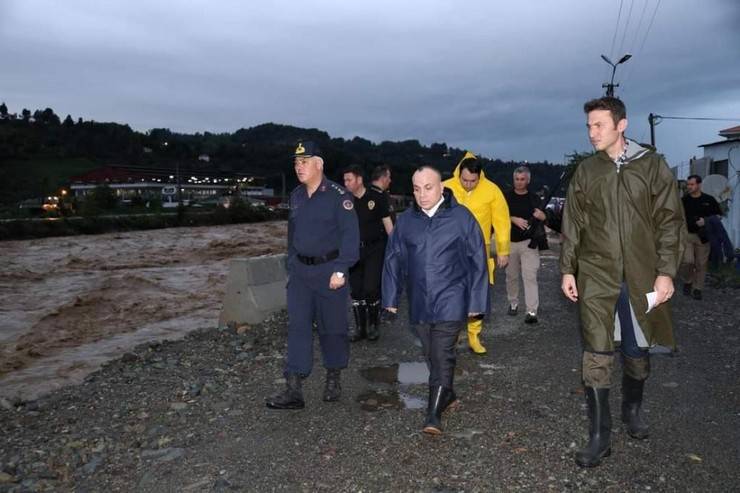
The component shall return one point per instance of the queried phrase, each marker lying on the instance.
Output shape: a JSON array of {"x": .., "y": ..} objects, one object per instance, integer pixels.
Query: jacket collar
[{"x": 448, "y": 202}]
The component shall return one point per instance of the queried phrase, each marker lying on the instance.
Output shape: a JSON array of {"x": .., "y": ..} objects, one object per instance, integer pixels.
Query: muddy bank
[{"x": 68, "y": 304}]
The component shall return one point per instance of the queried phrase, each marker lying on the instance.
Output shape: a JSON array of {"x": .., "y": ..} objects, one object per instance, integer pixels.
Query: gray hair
[{"x": 523, "y": 170}]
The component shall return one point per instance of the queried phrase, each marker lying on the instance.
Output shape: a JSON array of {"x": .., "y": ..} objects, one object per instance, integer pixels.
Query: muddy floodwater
[{"x": 69, "y": 304}]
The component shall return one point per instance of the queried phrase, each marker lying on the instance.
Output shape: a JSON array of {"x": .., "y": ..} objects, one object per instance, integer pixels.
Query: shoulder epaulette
[{"x": 340, "y": 190}]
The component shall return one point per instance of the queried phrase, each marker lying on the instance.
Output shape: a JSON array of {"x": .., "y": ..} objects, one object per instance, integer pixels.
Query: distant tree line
[{"x": 263, "y": 150}]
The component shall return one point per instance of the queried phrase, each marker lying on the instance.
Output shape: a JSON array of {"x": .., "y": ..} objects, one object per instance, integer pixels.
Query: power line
[
  {"x": 642, "y": 45},
  {"x": 614, "y": 38},
  {"x": 639, "y": 25},
  {"x": 697, "y": 118},
  {"x": 626, "y": 26}
]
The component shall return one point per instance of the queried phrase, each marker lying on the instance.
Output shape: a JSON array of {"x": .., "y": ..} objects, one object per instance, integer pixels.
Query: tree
[
  {"x": 69, "y": 122},
  {"x": 3, "y": 111},
  {"x": 26, "y": 114}
]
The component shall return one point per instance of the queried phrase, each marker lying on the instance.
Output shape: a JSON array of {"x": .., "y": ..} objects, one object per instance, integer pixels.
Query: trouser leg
[
  {"x": 687, "y": 269},
  {"x": 530, "y": 261},
  {"x": 701, "y": 252},
  {"x": 513, "y": 273},
  {"x": 333, "y": 327},
  {"x": 301, "y": 314},
  {"x": 442, "y": 353}
]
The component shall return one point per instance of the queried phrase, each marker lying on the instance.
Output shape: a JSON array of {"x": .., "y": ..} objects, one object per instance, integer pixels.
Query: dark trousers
[
  {"x": 365, "y": 275},
  {"x": 629, "y": 345},
  {"x": 438, "y": 341},
  {"x": 310, "y": 300}
]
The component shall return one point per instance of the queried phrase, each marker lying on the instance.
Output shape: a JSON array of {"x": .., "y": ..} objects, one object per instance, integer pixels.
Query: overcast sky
[{"x": 504, "y": 79}]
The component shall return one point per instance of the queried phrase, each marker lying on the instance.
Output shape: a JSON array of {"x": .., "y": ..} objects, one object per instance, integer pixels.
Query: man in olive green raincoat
[{"x": 624, "y": 237}]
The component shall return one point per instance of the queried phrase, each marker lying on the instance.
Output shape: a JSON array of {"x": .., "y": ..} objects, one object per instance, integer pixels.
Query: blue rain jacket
[{"x": 441, "y": 260}]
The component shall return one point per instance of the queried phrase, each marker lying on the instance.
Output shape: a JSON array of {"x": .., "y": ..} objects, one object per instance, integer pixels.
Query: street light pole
[{"x": 611, "y": 85}]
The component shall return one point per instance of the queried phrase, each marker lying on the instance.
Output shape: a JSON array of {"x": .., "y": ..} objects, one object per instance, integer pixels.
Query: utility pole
[
  {"x": 611, "y": 85},
  {"x": 651, "y": 121}
]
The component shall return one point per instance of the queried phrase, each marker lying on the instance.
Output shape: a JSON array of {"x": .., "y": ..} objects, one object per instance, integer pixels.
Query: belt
[{"x": 318, "y": 260}]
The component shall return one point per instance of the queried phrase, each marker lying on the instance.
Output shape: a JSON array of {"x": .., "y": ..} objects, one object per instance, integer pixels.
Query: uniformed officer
[
  {"x": 323, "y": 243},
  {"x": 364, "y": 276},
  {"x": 380, "y": 181}
]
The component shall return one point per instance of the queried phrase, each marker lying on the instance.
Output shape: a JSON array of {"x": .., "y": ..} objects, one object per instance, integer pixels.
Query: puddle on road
[
  {"x": 413, "y": 373},
  {"x": 376, "y": 400},
  {"x": 399, "y": 376}
]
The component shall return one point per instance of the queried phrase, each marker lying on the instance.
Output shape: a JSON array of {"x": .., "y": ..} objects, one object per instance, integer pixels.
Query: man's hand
[
  {"x": 519, "y": 222},
  {"x": 663, "y": 289},
  {"x": 336, "y": 282},
  {"x": 392, "y": 309},
  {"x": 700, "y": 222},
  {"x": 569, "y": 287},
  {"x": 539, "y": 214},
  {"x": 502, "y": 261},
  {"x": 473, "y": 314}
]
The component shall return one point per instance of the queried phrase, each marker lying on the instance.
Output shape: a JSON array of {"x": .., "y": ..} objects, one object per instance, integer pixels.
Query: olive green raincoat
[{"x": 623, "y": 225}]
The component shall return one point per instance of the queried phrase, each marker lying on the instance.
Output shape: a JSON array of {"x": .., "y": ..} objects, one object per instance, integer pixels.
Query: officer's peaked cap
[{"x": 307, "y": 148}]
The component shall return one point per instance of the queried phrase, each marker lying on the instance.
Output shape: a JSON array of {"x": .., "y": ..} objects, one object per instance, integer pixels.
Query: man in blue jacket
[{"x": 437, "y": 248}]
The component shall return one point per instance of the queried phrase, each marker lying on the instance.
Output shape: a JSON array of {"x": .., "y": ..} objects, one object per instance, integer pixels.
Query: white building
[{"x": 723, "y": 158}]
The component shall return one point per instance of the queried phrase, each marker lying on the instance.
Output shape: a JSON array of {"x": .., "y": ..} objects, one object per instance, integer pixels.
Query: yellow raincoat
[{"x": 488, "y": 205}]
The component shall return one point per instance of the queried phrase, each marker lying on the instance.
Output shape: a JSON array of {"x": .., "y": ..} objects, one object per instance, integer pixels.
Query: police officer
[
  {"x": 323, "y": 243},
  {"x": 380, "y": 181},
  {"x": 364, "y": 276}
]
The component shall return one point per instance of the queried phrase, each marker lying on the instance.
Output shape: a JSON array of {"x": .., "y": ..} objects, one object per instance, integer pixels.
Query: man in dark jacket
[
  {"x": 437, "y": 248},
  {"x": 624, "y": 235},
  {"x": 698, "y": 206}
]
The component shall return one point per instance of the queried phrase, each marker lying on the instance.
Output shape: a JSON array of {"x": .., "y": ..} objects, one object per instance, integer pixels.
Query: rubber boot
[
  {"x": 440, "y": 398},
  {"x": 632, "y": 391},
  {"x": 291, "y": 397},
  {"x": 333, "y": 387},
  {"x": 373, "y": 320},
  {"x": 359, "y": 330},
  {"x": 599, "y": 435},
  {"x": 474, "y": 327}
]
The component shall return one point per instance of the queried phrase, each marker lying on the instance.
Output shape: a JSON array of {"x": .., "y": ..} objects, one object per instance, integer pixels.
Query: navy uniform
[
  {"x": 365, "y": 276},
  {"x": 323, "y": 240}
]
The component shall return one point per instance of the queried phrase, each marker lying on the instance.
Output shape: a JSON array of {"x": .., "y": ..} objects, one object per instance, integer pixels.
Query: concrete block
[{"x": 255, "y": 288}]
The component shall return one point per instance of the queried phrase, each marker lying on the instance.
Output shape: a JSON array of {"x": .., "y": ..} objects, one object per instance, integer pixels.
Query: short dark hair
[
  {"x": 429, "y": 167},
  {"x": 355, "y": 169},
  {"x": 472, "y": 165},
  {"x": 613, "y": 105},
  {"x": 695, "y": 177},
  {"x": 379, "y": 172}
]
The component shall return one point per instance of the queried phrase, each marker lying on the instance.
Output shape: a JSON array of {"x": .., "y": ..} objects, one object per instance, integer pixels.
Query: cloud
[{"x": 505, "y": 79}]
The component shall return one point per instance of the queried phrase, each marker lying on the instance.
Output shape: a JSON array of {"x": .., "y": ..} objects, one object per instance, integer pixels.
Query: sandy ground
[{"x": 69, "y": 304}]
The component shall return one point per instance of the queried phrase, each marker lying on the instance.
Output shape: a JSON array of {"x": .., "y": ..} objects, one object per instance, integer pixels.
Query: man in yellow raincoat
[{"x": 484, "y": 199}]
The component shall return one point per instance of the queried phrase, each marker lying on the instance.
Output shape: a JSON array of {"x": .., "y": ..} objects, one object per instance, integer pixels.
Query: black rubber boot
[
  {"x": 373, "y": 320},
  {"x": 333, "y": 387},
  {"x": 291, "y": 397},
  {"x": 439, "y": 399},
  {"x": 599, "y": 435},
  {"x": 359, "y": 331},
  {"x": 631, "y": 404}
]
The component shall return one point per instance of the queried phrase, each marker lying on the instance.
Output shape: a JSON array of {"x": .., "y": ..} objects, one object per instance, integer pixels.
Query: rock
[
  {"x": 91, "y": 466},
  {"x": 130, "y": 358},
  {"x": 241, "y": 329},
  {"x": 221, "y": 484},
  {"x": 164, "y": 454},
  {"x": 178, "y": 406},
  {"x": 242, "y": 356},
  {"x": 6, "y": 478},
  {"x": 6, "y": 404},
  {"x": 670, "y": 385}
]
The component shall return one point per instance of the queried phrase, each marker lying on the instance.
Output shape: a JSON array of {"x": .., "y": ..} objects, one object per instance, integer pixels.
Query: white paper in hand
[{"x": 651, "y": 300}]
